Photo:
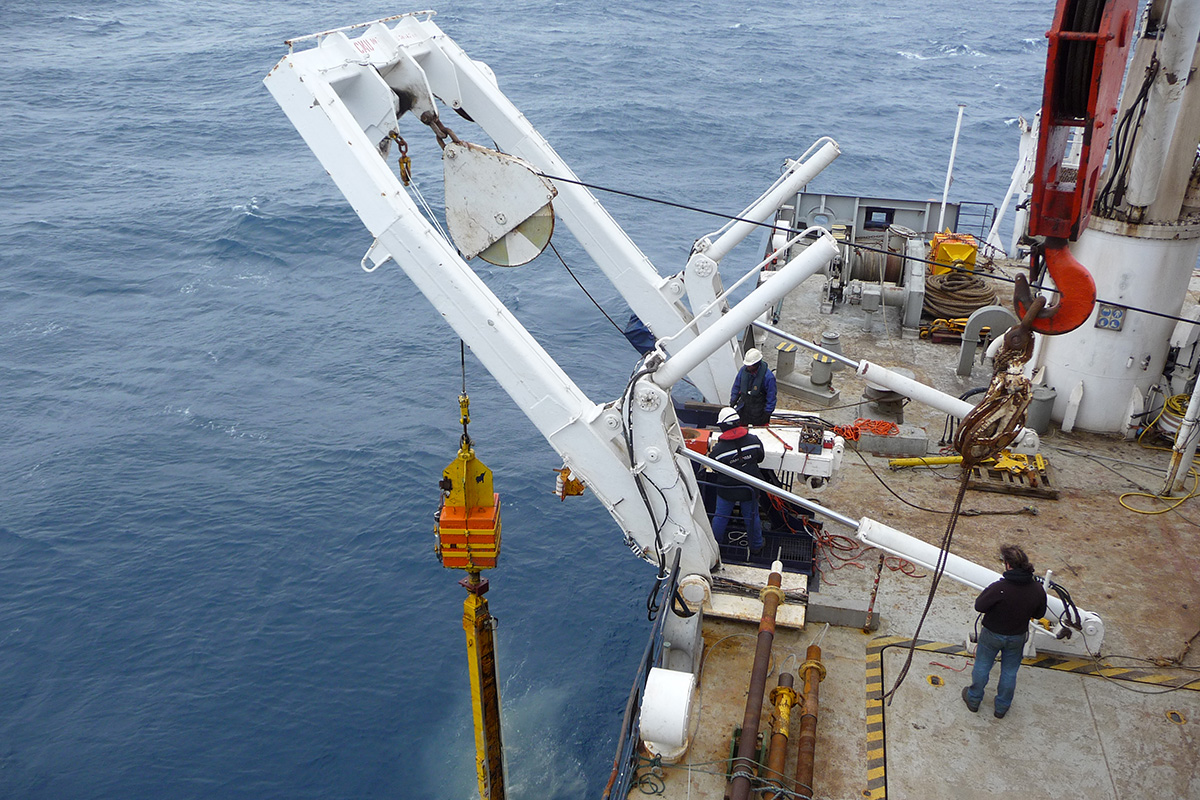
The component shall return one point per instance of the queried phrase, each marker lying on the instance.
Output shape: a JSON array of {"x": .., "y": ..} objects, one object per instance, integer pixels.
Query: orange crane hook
[
  {"x": 1077, "y": 290},
  {"x": 1085, "y": 65}
]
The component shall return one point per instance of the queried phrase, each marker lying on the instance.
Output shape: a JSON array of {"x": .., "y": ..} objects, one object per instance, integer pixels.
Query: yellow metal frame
[{"x": 468, "y": 530}]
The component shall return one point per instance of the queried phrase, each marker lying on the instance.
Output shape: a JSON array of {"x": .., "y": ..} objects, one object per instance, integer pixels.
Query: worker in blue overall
[
  {"x": 753, "y": 394},
  {"x": 738, "y": 448}
]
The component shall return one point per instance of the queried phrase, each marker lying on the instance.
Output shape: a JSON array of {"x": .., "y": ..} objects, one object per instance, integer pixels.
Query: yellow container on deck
[{"x": 953, "y": 250}]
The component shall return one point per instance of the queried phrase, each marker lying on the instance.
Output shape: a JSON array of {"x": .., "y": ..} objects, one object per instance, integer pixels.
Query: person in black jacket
[
  {"x": 738, "y": 448},
  {"x": 1007, "y": 607},
  {"x": 753, "y": 392}
]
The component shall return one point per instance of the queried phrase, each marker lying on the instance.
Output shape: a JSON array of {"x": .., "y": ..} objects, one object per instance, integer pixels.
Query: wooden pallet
[
  {"x": 985, "y": 479},
  {"x": 945, "y": 337}
]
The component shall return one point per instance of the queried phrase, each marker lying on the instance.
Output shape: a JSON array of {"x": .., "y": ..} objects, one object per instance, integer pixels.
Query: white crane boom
[
  {"x": 420, "y": 62},
  {"x": 345, "y": 96}
]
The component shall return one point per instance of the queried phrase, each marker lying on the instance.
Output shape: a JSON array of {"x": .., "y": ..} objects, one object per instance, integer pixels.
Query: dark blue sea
[{"x": 222, "y": 439}]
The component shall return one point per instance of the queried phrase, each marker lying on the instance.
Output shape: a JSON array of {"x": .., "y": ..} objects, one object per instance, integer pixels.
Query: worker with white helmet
[
  {"x": 753, "y": 394},
  {"x": 738, "y": 448}
]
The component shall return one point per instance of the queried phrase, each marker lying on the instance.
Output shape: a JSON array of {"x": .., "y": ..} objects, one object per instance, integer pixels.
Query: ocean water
[{"x": 222, "y": 438}]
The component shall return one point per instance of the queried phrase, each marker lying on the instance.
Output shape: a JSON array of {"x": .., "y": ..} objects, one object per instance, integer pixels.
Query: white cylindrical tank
[{"x": 1144, "y": 266}]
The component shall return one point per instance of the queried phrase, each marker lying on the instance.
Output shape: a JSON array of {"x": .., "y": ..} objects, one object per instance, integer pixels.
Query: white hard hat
[
  {"x": 728, "y": 415},
  {"x": 752, "y": 357}
]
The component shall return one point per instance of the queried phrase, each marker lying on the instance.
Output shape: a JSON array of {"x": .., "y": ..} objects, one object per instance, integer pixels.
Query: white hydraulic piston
[
  {"x": 884, "y": 537},
  {"x": 799, "y": 173},
  {"x": 1027, "y": 440},
  {"x": 1176, "y": 52},
  {"x": 814, "y": 259}
]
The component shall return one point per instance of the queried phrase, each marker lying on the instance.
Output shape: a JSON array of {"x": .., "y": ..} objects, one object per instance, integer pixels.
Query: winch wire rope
[
  {"x": 970, "y": 512},
  {"x": 462, "y": 356},
  {"x": 571, "y": 272},
  {"x": 954, "y": 295},
  {"x": 785, "y": 229},
  {"x": 1171, "y": 662},
  {"x": 1102, "y": 668},
  {"x": 989, "y": 427},
  {"x": 414, "y": 189},
  {"x": 938, "y": 571}
]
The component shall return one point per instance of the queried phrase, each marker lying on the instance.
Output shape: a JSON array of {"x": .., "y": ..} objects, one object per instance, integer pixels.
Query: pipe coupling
[
  {"x": 772, "y": 590},
  {"x": 786, "y": 694},
  {"x": 811, "y": 664}
]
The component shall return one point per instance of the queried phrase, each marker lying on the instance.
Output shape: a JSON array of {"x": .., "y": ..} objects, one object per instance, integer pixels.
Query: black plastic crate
[{"x": 797, "y": 551}]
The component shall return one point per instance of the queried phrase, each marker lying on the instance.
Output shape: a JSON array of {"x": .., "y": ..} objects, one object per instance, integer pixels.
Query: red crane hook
[{"x": 1077, "y": 290}]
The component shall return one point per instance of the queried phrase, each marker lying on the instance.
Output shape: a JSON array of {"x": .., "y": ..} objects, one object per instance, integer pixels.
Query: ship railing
[
  {"x": 625, "y": 763},
  {"x": 975, "y": 218}
]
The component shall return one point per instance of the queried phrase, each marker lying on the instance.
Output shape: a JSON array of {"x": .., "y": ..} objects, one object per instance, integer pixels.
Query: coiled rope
[{"x": 957, "y": 294}]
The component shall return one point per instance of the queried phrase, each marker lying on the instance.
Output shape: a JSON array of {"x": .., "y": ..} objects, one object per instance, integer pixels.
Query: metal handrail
[{"x": 625, "y": 762}]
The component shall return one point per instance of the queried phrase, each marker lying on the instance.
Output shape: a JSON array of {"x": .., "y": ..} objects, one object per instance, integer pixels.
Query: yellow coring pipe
[
  {"x": 485, "y": 692},
  {"x": 922, "y": 461}
]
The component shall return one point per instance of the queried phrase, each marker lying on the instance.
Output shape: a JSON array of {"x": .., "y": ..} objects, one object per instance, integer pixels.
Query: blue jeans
[
  {"x": 749, "y": 507},
  {"x": 1009, "y": 649}
]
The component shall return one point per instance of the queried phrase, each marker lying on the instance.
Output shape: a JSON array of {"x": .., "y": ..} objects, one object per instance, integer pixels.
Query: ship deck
[{"x": 1072, "y": 731}]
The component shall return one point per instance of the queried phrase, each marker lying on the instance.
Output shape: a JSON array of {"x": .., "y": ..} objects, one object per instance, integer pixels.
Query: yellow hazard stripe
[{"x": 876, "y": 744}]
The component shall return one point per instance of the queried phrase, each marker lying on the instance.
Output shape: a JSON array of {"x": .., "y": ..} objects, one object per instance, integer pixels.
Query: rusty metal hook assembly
[
  {"x": 439, "y": 129},
  {"x": 997, "y": 420}
]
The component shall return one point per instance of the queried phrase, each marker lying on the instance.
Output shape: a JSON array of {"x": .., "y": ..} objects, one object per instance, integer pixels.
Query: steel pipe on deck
[
  {"x": 812, "y": 672},
  {"x": 772, "y": 597}
]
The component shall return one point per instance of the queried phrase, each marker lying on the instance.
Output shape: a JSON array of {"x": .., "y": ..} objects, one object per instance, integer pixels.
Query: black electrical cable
[
  {"x": 971, "y": 512},
  {"x": 1124, "y": 137},
  {"x": 652, "y": 606},
  {"x": 1070, "y": 615},
  {"x": 948, "y": 428},
  {"x": 585, "y": 291}
]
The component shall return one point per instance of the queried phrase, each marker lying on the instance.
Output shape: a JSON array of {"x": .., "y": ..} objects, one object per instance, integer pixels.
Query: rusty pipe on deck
[
  {"x": 772, "y": 597},
  {"x": 783, "y": 697},
  {"x": 812, "y": 672}
]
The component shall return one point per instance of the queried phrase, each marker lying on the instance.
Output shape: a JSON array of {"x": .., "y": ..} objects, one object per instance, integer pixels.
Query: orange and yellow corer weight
[
  {"x": 468, "y": 538},
  {"x": 469, "y": 521}
]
